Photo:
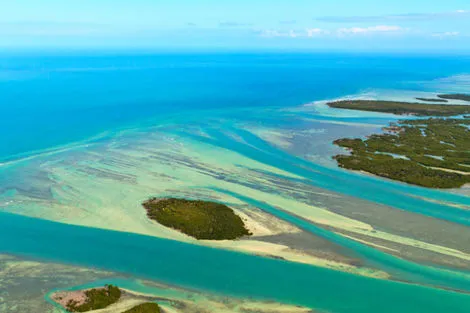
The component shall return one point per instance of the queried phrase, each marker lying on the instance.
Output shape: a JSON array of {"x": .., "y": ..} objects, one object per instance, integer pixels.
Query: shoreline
[{"x": 178, "y": 301}]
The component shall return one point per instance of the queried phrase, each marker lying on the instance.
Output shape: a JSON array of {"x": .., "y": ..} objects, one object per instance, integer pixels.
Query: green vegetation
[
  {"x": 396, "y": 107},
  {"x": 460, "y": 96},
  {"x": 145, "y": 308},
  {"x": 433, "y": 153},
  {"x": 432, "y": 100},
  {"x": 199, "y": 219},
  {"x": 96, "y": 299}
]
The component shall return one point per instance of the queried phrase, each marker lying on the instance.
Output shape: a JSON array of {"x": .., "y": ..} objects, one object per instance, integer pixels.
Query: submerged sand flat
[
  {"x": 23, "y": 283},
  {"x": 27, "y": 284},
  {"x": 105, "y": 189},
  {"x": 104, "y": 185}
]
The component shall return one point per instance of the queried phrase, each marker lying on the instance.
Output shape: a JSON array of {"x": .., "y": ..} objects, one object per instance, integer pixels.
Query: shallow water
[
  {"x": 86, "y": 139},
  {"x": 219, "y": 271}
]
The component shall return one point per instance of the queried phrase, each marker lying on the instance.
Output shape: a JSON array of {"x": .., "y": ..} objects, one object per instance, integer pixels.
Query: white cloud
[
  {"x": 272, "y": 33},
  {"x": 353, "y": 32},
  {"x": 459, "y": 14},
  {"x": 311, "y": 32},
  {"x": 446, "y": 34},
  {"x": 280, "y": 33},
  {"x": 341, "y": 32},
  {"x": 303, "y": 33},
  {"x": 368, "y": 30},
  {"x": 294, "y": 34}
]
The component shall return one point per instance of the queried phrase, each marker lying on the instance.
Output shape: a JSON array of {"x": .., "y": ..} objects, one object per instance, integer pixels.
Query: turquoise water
[
  {"x": 219, "y": 271},
  {"x": 51, "y": 101}
]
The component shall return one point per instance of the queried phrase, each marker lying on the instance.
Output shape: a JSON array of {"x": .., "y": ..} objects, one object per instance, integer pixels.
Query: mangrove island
[
  {"x": 432, "y": 153},
  {"x": 149, "y": 307},
  {"x": 196, "y": 218},
  {"x": 88, "y": 300},
  {"x": 459, "y": 96},
  {"x": 397, "y": 107},
  {"x": 432, "y": 100}
]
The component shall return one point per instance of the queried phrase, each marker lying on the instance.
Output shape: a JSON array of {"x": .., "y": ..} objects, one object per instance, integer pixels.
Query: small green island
[
  {"x": 459, "y": 96},
  {"x": 433, "y": 152},
  {"x": 432, "y": 100},
  {"x": 88, "y": 300},
  {"x": 98, "y": 298},
  {"x": 401, "y": 108},
  {"x": 199, "y": 219}
]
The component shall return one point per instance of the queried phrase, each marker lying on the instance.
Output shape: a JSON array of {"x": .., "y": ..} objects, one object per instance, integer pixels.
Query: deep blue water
[{"x": 46, "y": 101}]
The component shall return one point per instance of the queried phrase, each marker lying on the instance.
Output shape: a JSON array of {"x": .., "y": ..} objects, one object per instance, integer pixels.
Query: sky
[{"x": 361, "y": 25}]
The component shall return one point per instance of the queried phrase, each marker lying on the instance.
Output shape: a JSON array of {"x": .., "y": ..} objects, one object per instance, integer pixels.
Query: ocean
[
  {"x": 48, "y": 101},
  {"x": 85, "y": 138}
]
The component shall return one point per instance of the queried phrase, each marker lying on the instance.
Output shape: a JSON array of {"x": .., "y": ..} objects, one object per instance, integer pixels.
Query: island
[
  {"x": 459, "y": 96},
  {"x": 88, "y": 300},
  {"x": 432, "y": 100},
  {"x": 149, "y": 307},
  {"x": 196, "y": 218},
  {"x": 398, "y": 107},
  {"x": 434, "y": 152}
]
